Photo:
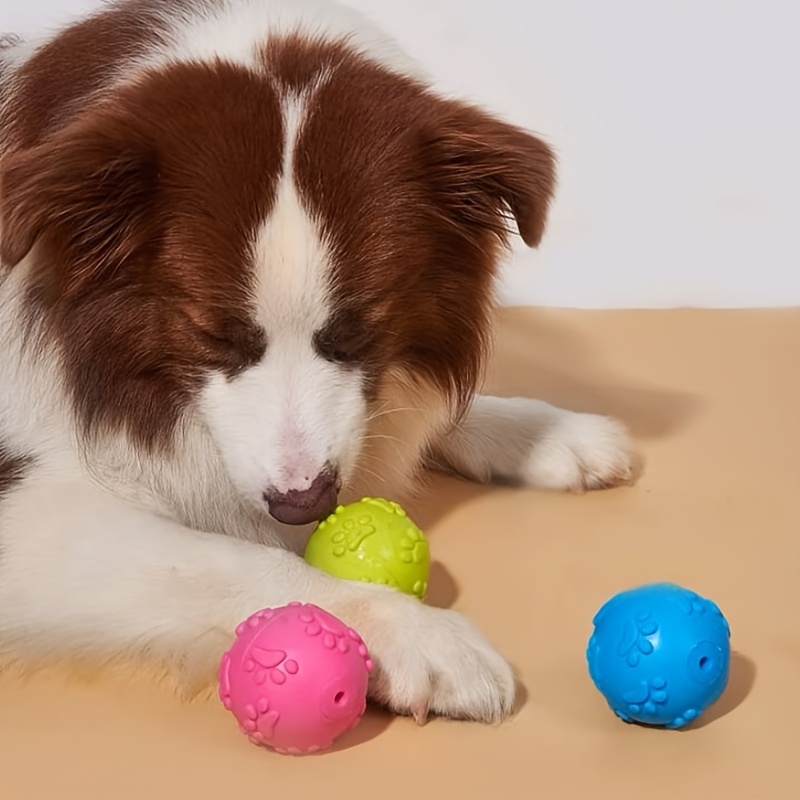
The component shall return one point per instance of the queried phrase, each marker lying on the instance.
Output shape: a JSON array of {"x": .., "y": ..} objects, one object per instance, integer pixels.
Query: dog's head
[{"x": 270, "y": 248}]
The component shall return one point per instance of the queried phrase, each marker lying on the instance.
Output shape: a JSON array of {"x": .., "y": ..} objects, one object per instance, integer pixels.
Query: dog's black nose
[{"x": 299, "y": 507}]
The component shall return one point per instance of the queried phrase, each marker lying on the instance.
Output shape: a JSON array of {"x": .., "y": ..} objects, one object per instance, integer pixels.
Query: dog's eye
[
  {"x": 351, "y": 347},
  {"x": 236, "y": 345}
]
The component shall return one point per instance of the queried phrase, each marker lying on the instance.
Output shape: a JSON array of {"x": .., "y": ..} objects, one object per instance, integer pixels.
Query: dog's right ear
[{"x": 87, "y": 191}]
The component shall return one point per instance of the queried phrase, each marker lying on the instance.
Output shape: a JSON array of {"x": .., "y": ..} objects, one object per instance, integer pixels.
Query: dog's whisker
[
  {"x": 382, "y": 436},
  {"x": 373, "y": 474},
  {"x": 381, "y": 461},
  {"x": 388, "y": 411}
]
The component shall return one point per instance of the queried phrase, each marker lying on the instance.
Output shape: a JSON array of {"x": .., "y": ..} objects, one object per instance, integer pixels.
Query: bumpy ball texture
[
  {"x": 659, "y": 654},
  {"x": 295, "y": 678},
  {"x": 372, "y": 540}
]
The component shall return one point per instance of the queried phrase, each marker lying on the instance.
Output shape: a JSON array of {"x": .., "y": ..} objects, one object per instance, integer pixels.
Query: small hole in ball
[
  {"x": 338, "y": 698},
  {"x": 705, "y": 662}
]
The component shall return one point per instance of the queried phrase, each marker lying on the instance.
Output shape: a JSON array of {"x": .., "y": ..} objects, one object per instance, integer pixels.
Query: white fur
[
  {"x": 107, "y": 553},
  {"x": 215, "y": 33},
  {"x": 33, "y": 413},
  {"x": 279, "y": 423}
]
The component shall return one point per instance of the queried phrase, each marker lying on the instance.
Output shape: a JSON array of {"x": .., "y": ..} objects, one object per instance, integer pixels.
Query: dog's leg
[
  {"x": 82, "y": 573},
  {"x": 532, "y": 443}
]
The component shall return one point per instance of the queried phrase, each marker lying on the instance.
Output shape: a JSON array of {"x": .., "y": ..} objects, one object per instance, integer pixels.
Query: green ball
[{"x": 372, "y": 540}]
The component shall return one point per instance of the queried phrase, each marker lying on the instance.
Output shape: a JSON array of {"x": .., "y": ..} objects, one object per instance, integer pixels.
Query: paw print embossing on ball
[
  {"x": 644, "y": 698},
  {"x": 372, "y": 540},
  {"x": 295, "y": 678},
  {"x": 351, "y": 534},
  {"x": 637, "y": 639}
]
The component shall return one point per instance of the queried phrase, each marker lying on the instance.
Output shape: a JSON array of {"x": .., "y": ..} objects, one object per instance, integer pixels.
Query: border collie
[{"x": 248, "y": 263}]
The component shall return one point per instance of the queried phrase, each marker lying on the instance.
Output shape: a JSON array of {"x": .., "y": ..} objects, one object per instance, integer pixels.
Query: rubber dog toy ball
[
  {"x": 372, "y": 540},
  {"x": 659, "y": 654},
  {"x": 295, "y": 678}
]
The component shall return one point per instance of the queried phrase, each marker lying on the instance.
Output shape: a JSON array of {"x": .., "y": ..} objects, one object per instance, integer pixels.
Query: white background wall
[{"x": 677, "y": 124}]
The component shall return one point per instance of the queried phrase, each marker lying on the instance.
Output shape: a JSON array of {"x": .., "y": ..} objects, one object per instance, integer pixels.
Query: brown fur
[
  {"x": 143, "y": 203},
  {"x": 142, "y": 210},
  {"x": 13, "y": 469}
]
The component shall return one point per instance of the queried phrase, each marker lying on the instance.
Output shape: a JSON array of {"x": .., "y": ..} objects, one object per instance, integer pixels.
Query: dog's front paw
[
  {"x": 580, "y": 452},
  {"x": 533, "y": 443},
  {"x": 433, "y": 661}
]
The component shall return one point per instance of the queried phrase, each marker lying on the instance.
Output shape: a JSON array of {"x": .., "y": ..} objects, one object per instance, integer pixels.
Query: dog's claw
[{"x": 420, "y": 714}]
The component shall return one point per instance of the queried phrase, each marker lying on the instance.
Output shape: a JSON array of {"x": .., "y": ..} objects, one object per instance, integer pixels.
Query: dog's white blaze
[
  {"x": 280, "y": 422},
  {"x": 290, "y": 255}
]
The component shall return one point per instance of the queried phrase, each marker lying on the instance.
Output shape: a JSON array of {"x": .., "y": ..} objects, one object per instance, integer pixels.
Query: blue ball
[{"x": 659, "y": 654}]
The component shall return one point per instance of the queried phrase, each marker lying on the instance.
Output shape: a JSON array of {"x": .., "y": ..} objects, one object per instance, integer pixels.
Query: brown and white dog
[{"x": 248, "y": 258}]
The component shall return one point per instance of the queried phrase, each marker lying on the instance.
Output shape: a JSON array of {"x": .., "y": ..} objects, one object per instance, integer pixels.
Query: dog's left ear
[
  {"x": 483, "y": 168},
  {"x": 89, "y": 188}
]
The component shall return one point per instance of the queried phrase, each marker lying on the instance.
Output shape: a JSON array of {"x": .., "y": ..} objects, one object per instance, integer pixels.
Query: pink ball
[{"x": 295, "y": 678}]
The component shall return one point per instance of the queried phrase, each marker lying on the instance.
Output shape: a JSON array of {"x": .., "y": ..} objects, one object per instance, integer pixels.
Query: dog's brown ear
[
  {"x": 86, "y": 191},
  {"x": 483, "y": 168}
]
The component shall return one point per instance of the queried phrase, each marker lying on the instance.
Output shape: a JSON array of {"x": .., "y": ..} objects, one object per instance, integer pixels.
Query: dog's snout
[{"x": 301, "y": 506}]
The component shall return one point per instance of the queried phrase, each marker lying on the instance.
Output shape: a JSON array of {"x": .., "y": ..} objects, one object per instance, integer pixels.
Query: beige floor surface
[{"x": 714, "y": 399}]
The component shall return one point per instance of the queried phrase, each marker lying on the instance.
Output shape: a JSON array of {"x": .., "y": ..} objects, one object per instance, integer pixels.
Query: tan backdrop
[{"x": 714, "y": 398}]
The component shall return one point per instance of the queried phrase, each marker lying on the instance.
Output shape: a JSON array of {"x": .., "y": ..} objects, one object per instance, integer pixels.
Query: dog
[{"x": 248, "y": 267}]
